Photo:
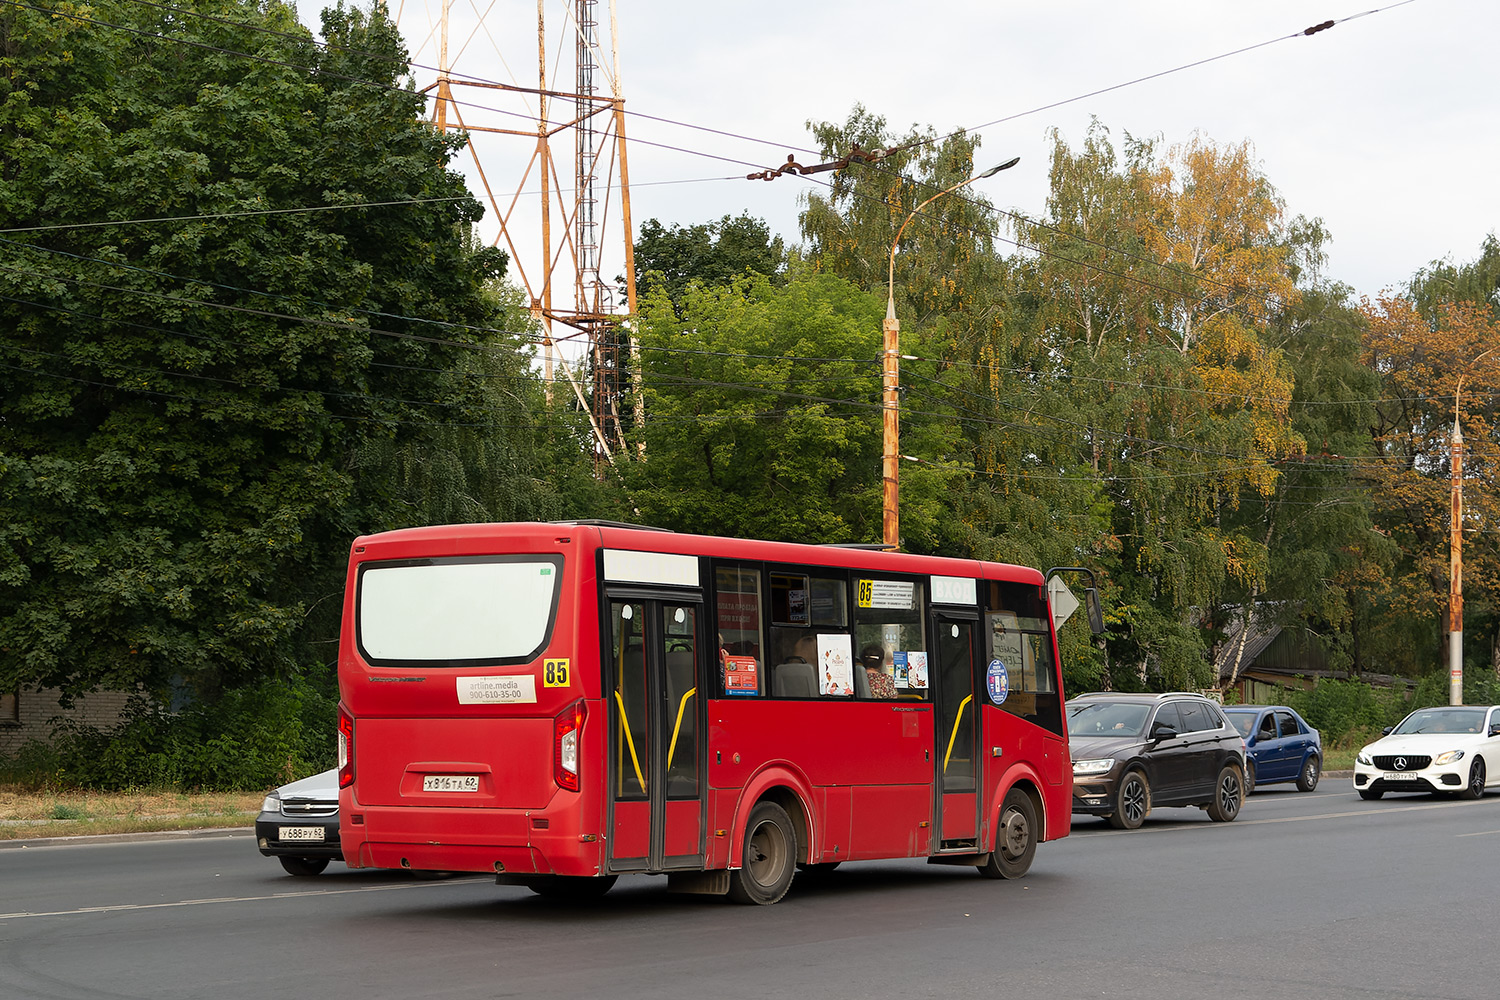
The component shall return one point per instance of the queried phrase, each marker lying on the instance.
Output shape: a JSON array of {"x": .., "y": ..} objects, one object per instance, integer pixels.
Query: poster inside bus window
[
  {"x": 741, "y": 675},
  {"x": 911, "y": 669},
  {"x": 835, "y": 665}
]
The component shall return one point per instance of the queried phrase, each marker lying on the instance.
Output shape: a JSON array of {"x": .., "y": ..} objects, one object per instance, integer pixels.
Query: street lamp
[
  {"x": 891, "y": 371},
  {"x": 1456, "y": 550}
]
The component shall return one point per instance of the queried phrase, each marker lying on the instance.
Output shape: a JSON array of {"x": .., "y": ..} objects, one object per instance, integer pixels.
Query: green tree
[
  {"x": 948, "y": 286},
  {"x": 185, "y": 402},
  {"x": 1142, "y": 357},
  {"x": 764, "y": 411},
  {"x": 506, "y": 455},
  {"x": 1327, "y": 565},
  {"x": 1476, "y": 281},
  {"x": 713, "y": 254},
  {"x": 1423, "y": 359}
]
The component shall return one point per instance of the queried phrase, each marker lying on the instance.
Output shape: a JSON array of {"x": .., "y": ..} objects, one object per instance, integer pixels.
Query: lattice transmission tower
[{"x": 564, "y": 229}]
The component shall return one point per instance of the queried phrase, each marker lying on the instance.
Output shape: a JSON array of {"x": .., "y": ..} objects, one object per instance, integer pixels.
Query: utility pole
[
  {"x": 1456, "y": 546},
  {"x": 1456, "y": 565},
  {"x": 890, "y": 376}
]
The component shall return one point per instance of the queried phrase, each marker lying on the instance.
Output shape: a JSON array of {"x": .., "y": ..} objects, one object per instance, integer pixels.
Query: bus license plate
[
  {"x": 450, "y": 783},
  {"x": 1399, "y": 776},
  {"x": 301, "y": 833}
]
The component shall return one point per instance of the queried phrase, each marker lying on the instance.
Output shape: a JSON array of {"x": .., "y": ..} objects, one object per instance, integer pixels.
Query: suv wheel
[
  {"x": 1229, "y": 794},
  {"x": 1132, "y": 801}
]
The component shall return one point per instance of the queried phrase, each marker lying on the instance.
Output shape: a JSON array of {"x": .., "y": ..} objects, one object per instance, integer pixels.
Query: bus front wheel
[
  {"x": 769, "y": 859},
  {"x": 1015, "y": 840}
]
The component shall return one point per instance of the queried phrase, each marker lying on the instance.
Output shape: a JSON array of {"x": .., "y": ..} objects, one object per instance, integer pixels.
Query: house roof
[{"x": 1243, "y": 642}]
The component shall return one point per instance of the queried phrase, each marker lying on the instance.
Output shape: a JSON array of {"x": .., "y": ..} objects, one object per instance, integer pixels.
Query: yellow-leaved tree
[{"x": 1438, "y": 367}]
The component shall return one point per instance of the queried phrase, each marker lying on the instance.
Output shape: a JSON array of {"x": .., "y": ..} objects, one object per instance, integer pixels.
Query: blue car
[{"x": 1279, "y": 746}]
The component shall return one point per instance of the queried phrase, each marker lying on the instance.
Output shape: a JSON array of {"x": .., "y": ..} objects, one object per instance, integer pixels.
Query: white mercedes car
[{"x": 1453, "y": 749}]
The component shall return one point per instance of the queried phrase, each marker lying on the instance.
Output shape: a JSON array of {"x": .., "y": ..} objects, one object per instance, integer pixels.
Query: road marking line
[
  {"x": 1481, "y": 833},
  {"x": 233, "y": 899}
]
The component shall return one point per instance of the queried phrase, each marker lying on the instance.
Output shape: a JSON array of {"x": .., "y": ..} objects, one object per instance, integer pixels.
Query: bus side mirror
[
  {"x": 1095, "y": 609},
  {"x": 1058, "y": 593}
]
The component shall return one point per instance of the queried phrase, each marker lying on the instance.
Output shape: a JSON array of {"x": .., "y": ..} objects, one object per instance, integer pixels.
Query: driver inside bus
[{"x": 872, "y": 658}]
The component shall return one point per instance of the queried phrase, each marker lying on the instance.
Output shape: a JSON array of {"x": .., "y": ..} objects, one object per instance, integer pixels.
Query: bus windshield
[{"x": 457, "y": 612}]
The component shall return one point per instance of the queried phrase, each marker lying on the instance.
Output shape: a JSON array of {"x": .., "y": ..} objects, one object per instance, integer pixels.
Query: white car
[
  {"x": 299, "y": 824},
  {"x": 1453, "y": 749}
]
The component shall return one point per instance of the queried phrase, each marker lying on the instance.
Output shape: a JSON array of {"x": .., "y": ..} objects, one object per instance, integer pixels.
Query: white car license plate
[
  {"x": 1399, "y": 776},
  {"x": 301, "y": 833},
  {"x": 450, "y": 783}
]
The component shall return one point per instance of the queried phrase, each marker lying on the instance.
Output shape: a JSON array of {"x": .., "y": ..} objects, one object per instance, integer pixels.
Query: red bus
[{"x": 563, "y": 703}]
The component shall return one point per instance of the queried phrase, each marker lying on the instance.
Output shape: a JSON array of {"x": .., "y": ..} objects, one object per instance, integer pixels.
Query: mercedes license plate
[
  {"x": 1399, "y": 776},
  {"x": 301, "y": 833},
  {"x": 450, "y": 783}
]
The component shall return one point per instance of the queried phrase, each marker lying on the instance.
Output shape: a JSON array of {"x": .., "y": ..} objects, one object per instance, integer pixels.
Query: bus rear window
[{"x": 457, "y": 612}]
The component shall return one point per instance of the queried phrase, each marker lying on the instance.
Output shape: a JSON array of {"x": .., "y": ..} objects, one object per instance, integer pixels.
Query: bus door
[
  {"x": 956, "y": 733},
  {"x": 656, "y": 725}
]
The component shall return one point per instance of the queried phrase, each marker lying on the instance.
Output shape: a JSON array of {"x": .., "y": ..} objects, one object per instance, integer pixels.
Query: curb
[{"x": 129, "y": 838}]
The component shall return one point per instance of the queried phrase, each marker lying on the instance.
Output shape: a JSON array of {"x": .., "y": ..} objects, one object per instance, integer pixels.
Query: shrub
[
  {"x": 1350, "y": 712},
  {"x": 1336, "y": 708},
  {"x": 249, "y": 739}
]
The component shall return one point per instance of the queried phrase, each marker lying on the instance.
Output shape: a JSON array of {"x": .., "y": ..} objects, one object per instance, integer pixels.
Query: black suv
[{"x": 1132, "y": 752}]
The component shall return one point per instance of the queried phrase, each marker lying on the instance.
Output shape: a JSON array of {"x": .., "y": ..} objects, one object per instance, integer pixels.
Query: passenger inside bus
[
  {"x": 882, "y": 684},
  {"x": 794, "y": 676}
]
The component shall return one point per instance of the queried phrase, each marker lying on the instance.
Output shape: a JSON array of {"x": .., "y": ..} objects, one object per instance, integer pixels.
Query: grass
[
  {"x": 1339, "y": 758},
  {"x": 26, "y": 815},
  {"x": 1338, "y": 753}
]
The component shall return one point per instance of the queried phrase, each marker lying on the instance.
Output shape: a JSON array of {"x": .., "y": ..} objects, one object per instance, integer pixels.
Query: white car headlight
[
  {"x": 1097, "y": 766},
  {"x": 1363, "y": 757},
  {"x": 272, "y": 804},
  {"x": 1449, "y": 757}
]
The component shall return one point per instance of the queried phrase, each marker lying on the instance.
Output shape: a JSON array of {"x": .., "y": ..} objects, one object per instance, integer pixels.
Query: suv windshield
[
  {"x": 1442, "y": 720},
  {"x": 457, "y": 612},
  {"x": 1107, "y": 718}
]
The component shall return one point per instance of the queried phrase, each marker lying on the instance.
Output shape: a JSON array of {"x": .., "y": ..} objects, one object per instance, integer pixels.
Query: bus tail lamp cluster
[
  {"x": 567, "y": 728},
  {"x": 346, "y": 748}
]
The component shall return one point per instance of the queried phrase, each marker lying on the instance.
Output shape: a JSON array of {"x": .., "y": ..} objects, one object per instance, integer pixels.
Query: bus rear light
[
  {"x": 346, "y": 748},
  {"x": 566, "y": 730}
]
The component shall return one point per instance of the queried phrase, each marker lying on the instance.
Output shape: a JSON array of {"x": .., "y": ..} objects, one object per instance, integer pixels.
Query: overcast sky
[{"x": 1385, "y": 126}]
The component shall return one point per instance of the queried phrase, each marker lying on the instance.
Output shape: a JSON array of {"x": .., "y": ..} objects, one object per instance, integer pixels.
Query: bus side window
[
  {"x": 794, "y": 654},
  {"x": 1020, "y": 644},
  {"x": 890, "y": 639},
  {"x": 739, "y": 613}
]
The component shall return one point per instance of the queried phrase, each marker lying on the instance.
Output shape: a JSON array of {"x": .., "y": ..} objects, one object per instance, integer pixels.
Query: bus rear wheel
[
  {"x": 1015, "y": 839},
  {"x": 769, "y": 859}
]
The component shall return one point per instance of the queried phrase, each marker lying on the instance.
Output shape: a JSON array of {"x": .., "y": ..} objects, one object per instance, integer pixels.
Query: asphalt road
[{"x": 1316, "y": 895}]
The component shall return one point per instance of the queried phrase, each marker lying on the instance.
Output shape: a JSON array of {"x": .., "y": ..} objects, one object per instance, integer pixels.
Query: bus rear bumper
[{"x": 473, "y": 840}]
